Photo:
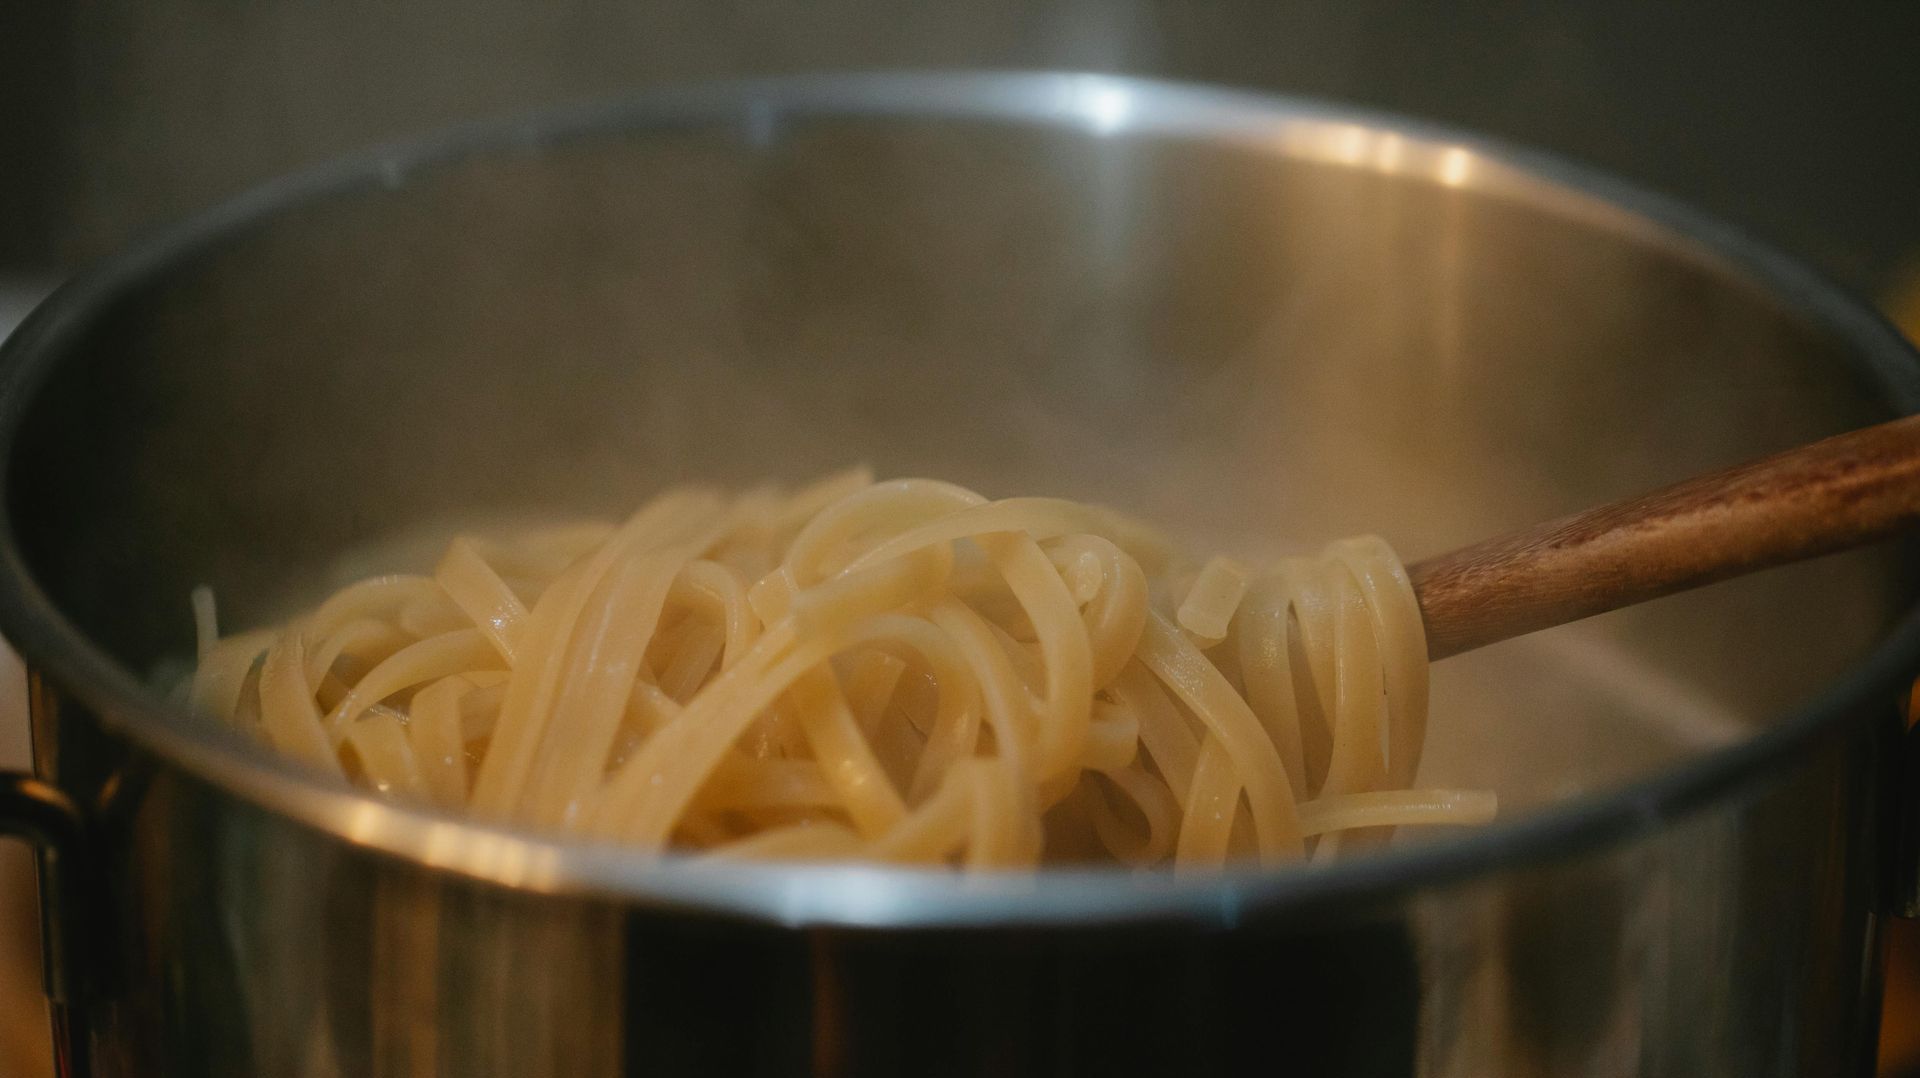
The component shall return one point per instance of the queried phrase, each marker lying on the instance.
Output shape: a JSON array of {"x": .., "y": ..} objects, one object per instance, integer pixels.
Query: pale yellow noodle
[
  {"x": 870, "y": 683},
  {"x": 220, "y": 679},
  {"x": 375, "y": 598},
  {"x": 385, "y": 757},
  {"x": 1390, "y": 808},
  {"x": 901, "y": 671},
  {"x": 431, "y": 616},
  {"x": 1251, "y": 756},
  {"x": 206, "y": 622},
  {"x": 1359, "y": 739},
  {"x": 1158, "y": 811},
  {"x": 743, "y": 784},
  {"x": 650, "y": 707},
  {"x": 722, "y": 591},
  {"x": 995, "y": 837},
  {"x": 1010, "y": 710},
  {"x": 794, "y": 842},
  {"x": 1113, "y": 737},
  {"x": 1268, "y": 626},
  {"x": 480, "y": 709},
  {"x": 1210, "y": 604},
  {"x": 935, "y": 829},
  {"x": 1035, "y": 518},
  {"x": 1064, "y": 650},
  {"x": 696, "y": 648},
  {"x": 416, "y": 664},
  {"x": 1115, "y": 608},
  {"x": 1166, "y": 736},
  {"x": 700, "y": 831},
  {"x": 642, "y": 798},
  {"x": 604, "y": 660},
  {"x": 1395, "y": 614},
  {"x": 1213, "y": 797},
  {"x": 844, "y": 757},
  {"x": 537, "y": 676},
  {"x": 439, "y": 742},
  {"x": 287, "y": 711},
  {"x": 366, "y": 641},
  {"x": 826, "y": 546},
  {"x": 482, "y": 595}
]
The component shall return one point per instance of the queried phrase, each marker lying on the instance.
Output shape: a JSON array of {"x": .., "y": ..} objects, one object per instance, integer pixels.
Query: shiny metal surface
[
  {"x": 23, "y": 997},
  {"x": 1260, "y": 319}
]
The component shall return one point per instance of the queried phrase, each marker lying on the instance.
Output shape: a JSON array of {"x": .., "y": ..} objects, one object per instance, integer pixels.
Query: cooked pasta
[{"x": 901, "y": 671}]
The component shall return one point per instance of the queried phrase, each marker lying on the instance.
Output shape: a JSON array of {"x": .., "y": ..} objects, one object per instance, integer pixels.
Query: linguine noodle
[{"x": 901, "y": 671}]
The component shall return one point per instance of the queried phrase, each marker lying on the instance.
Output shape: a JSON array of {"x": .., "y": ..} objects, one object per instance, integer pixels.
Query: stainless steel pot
[{"x": 1260, "y": 319}]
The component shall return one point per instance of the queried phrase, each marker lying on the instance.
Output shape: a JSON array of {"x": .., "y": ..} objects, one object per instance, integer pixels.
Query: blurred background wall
[{"x": 1801, "y": 121}]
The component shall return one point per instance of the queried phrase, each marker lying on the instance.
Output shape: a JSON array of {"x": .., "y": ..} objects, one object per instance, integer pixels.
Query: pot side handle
[{"x": 42, "y": 815}]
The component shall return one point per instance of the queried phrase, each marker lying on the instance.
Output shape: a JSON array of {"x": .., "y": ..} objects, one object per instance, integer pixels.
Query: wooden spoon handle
[{"x": 1842, "y": 492}]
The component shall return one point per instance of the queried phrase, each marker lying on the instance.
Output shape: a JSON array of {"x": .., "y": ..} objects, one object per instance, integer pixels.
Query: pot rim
[{"x": 867, "y": 896}]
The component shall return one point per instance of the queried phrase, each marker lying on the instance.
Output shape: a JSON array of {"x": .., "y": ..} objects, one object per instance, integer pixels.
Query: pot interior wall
[{"x": 1263, "y": 351}]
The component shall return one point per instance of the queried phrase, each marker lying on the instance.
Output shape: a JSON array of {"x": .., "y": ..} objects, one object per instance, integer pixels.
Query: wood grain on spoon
[{"x": 1842, "y": 492}]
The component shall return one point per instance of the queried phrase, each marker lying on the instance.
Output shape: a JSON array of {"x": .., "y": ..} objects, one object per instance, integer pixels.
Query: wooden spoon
[{"x": 1843, "y": 492}]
